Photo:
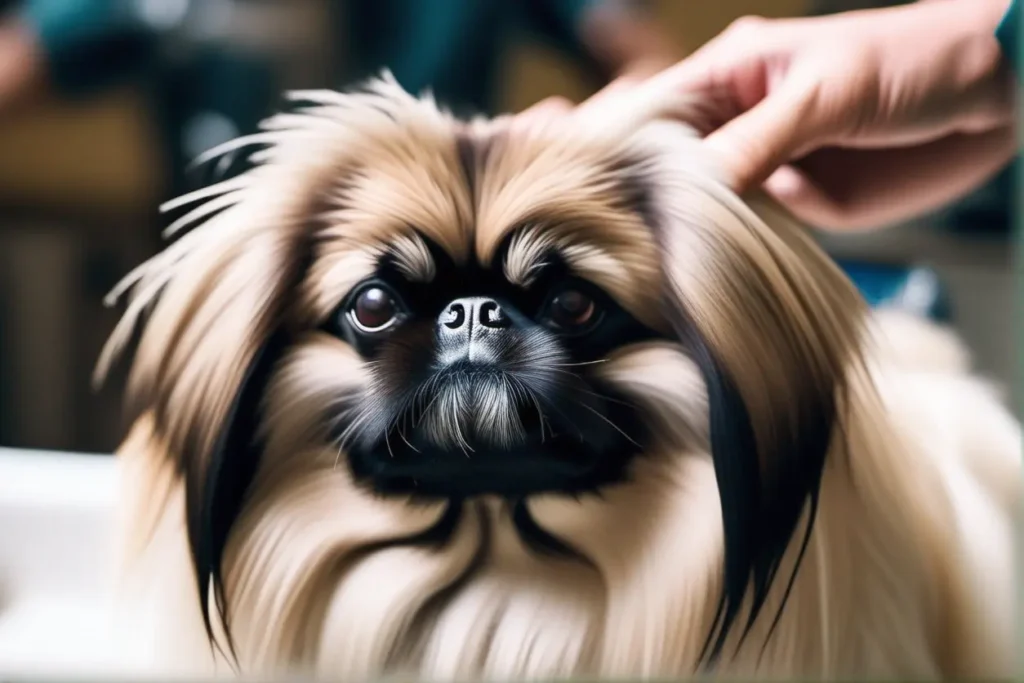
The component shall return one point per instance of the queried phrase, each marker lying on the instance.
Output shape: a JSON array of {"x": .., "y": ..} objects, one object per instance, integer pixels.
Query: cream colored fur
[
  {"x": 876, "y": 597},
  {"x": 909, "y": 571}
]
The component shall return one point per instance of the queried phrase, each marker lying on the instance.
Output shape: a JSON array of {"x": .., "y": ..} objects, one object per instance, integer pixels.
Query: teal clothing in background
[
  {"x": 1007, "y": 33},
  {"x": 455, "y": 48},
  {"x": 90, "y": 44}
]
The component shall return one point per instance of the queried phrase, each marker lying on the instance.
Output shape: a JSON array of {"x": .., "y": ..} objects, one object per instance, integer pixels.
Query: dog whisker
[
  {"x": 583, "y": 390},
  {"x": 575, "y": 365},
  {"x": 605, "y": 397},
  {"x": 566, "y": 419},
  {"x": 529, "y": 396},
  {"x": 407, "y": 442},
  {"x": 364, "y": 415},
  {"x": 612, "y": 424}
]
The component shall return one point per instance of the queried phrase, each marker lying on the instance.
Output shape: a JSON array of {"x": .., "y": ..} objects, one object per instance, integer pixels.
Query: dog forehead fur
[
  {"x": 466, "y": 188},
  {"x": 312, "y": 584}
]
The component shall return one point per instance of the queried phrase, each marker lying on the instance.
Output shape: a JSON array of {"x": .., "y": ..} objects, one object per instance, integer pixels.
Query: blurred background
[{"x": 103, "y": 102}]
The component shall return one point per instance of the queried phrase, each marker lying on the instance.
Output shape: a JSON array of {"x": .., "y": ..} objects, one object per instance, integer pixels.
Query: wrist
[
  {"x": 976, "y": 68},
  {"x": 980, "y": 16}
]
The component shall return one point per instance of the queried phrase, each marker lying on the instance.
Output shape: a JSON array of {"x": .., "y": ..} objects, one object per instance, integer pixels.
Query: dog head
[{"x": 449, "y": 310}]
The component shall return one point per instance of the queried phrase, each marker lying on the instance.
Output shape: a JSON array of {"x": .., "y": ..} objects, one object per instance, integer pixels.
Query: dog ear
[
  {"x": 218, "y": 480},
  {"x": 218, "y": 298},
  {"x": 774, "y": 327}
]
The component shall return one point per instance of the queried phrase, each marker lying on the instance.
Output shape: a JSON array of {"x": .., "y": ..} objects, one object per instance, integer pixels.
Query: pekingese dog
[{"x": 469, "y": 400}]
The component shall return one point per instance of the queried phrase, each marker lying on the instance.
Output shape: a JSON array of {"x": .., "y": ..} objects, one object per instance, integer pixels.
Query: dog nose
[
  {"x": 473, "y": 311},
  {"x": 469, "y": 328}
]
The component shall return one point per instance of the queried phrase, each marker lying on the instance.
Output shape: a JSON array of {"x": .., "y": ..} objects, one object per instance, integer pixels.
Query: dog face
[
  {"x": 442, "y": 311},
  {"x": 474, "y": 341}
]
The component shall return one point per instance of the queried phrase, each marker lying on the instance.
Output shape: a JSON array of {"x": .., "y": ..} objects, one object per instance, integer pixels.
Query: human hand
[
  {"x": 22, "y": 66},
  {"x": 852, "y": 120}
]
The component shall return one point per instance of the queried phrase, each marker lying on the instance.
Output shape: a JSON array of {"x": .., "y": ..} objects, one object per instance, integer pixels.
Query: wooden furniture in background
[{"x": 78, "y": 189}]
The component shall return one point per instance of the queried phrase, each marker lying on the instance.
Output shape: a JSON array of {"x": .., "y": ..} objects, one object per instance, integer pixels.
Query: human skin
[
  {"x": 852, "y": 120},
  {"x": 22, "y": 68}
]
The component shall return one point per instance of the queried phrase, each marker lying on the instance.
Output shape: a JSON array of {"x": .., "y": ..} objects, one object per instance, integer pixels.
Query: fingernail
[{"x": 785, "y": 181}]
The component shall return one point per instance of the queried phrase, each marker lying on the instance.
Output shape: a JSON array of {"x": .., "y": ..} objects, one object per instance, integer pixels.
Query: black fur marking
[
  {"x": 436, "y": 535},
  {"x": 467, "y": 151},
  {"x": 759, "y": 522},
  {"x": 537, "y": 539},
  {"x": 733, "y": 451},
  {"x": 216, "y": 485},
  {"x": 473, "y": 152},
  {"x": 432, "y": 607},
  {"x": 759, "y": 517},
  {"x": 222, "y": 487},
  {"x": 633, "y": 187}
]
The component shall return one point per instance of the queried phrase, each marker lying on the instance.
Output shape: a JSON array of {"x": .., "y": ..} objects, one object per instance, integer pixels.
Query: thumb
[{"x": 753, "y": 145}]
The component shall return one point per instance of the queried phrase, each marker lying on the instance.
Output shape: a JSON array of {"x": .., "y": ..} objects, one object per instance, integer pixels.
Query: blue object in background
[{"x": 916, "y": 289}]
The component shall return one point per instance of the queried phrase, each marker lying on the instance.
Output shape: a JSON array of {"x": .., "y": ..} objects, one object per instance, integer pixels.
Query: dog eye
[
  {"x": 572, "y": 310},
  {"x": 374, "y": 310}
]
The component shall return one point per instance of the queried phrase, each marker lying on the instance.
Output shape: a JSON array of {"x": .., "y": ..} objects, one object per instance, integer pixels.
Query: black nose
[
  {"x": 470, "y": 329},
  {"x": 473, "y": 311}
]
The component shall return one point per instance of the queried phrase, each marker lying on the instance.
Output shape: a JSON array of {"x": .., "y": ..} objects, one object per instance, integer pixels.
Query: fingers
[
  {"x": 738, "y": 90},
  {"x": 690, "y": 74},
  {"x": 719, "y": 88},
  {"x": 747, "y": 42},
  {"x": 558, "y": 106},
  {"x": 844, "y": 189},
  {"x": 798, "y": 192},
  {"x": 542, "y": 113},
  {"x": 617, "y": 88},
  {"x": 546, "y": 108},
  {"x": 695, "y": 88},
  {"x": 757, "y": 142}
]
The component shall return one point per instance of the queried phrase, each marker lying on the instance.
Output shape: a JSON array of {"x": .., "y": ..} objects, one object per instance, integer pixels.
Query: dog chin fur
[{"x": 908, "y": 570}]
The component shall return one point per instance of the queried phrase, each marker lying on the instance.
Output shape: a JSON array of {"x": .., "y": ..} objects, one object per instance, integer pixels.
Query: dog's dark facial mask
[{"x": 482, "y": 386}]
